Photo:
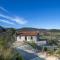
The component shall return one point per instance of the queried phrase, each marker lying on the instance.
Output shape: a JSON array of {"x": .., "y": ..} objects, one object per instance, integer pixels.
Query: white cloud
[
  {"x": 15, "y": 19},
  {"x": 4, "y": 16},
  {"x": 3, "y": 9},
  {"x": 6, "y": 21},
  {"x": 18, "y": 20}
]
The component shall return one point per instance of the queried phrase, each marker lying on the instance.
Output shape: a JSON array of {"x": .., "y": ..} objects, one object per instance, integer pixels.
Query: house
[{"x": 27, "y": 36}]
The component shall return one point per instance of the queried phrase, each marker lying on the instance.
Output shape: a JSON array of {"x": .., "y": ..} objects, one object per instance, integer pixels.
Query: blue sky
[{"x": 30, "y": 13}]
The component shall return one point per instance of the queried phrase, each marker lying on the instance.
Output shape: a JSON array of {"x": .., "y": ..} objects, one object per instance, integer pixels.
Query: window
[
  {"x": 25, "y": 38},
  {"x": 31, "y": 37}
]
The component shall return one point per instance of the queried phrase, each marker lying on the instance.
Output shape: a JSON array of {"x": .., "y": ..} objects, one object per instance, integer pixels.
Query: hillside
[
  {"x": 31, "y": 29},
  {"x": 37, "y": 29}
]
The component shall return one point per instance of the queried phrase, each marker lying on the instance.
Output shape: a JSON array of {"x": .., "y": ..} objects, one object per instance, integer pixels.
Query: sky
[{"x": 30, "y": 13}]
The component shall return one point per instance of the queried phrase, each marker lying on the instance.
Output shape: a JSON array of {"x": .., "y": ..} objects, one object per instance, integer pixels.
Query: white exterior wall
[
  {"x": 22, "y": 38},
  {"x": 28, "y": 38},
  {"x": 41, "y": 43},
  {"x": 35, "y": 38}
]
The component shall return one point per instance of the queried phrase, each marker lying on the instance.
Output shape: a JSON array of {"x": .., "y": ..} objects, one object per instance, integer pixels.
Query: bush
[
  {"x": 33, "y": 44},
  {"x": 57, "y": 52},
  {"x": 45, "y": 48},
  {"x": 9, "y": 54},
  {"x": 50, "y": 52},
  {"x": 19, "y": 57}
]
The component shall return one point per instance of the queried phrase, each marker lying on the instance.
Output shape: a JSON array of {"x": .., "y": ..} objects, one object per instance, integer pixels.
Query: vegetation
[
  {"x": 33, "y": 44},
  {"x": 57, "y": 52},
  {"x": 7, "y": 37},
  {"x": 9, "y": 54},
  {"x": 6, "y": 51}
]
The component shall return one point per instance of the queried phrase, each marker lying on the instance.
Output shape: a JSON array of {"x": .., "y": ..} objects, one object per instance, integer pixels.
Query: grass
[{"x": 33, "y": 44}]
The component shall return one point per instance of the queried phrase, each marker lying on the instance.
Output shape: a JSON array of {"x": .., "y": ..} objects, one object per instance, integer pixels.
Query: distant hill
[
  {"x": 54, "y": 30},
  {"x": 2, "y": 29},
  {"x": 36, "y": 29},
  {"x": 32, "y": 29},
  {"x": 44, "y": 31}
]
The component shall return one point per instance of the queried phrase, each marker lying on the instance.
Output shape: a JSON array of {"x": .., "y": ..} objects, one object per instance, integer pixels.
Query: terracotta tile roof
[{"x": 28, "y": 33}]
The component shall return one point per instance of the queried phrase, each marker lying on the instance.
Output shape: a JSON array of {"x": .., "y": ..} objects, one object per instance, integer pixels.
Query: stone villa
[{"x": 28, "y": 36}]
